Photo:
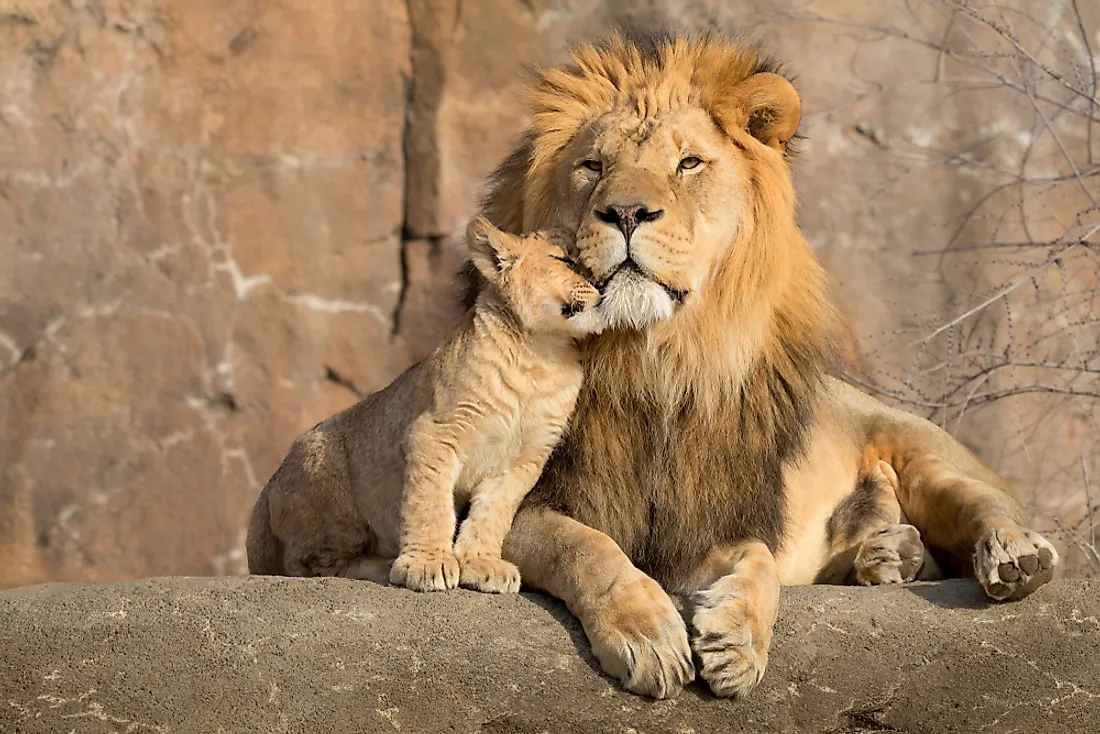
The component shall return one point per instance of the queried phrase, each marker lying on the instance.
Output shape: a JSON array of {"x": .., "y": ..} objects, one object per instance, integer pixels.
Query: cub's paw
[
  {"x": 733, "y": 659},
  {"x": 640, "y": 638},
  {"x": 894, "y": 555},
  {"x": 1012, "y": 562},
  {"x": 489, "y": 574},
  {"x": 426, "y": 570}
]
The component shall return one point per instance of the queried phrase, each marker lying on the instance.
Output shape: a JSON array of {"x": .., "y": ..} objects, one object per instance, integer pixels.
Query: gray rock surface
[{"x": 289, "y": 655}]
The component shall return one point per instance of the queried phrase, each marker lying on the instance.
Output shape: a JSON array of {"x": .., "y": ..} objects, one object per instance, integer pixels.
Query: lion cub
[
  {"x": 497, "y": 398},
  {"x": 475, "y": 421}
]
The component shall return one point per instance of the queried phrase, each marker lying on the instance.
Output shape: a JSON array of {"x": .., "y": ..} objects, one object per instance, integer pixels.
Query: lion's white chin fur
[{"x": 633, "y": 301}]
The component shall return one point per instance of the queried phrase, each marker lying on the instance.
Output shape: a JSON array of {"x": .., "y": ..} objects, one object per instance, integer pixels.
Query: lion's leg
[
  {"x": 427, "y": 561},
  {"x": 481, "y": 537},
  {"x": 734, "y": 614},
  {"x": 971, "y": 518},
  {"x": 636, "y": 633},
  {"x": 871, "y": 541}
]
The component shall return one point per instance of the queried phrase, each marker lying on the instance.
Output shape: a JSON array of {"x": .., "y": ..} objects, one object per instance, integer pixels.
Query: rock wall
[
  {"x": 222, "y": 221},
  {"x": 266, "y": 655}
]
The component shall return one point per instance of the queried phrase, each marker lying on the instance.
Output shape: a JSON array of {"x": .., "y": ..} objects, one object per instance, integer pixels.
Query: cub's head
[
  {"x": 536, "y": 278},
  {"x": 667, "y": 158}
]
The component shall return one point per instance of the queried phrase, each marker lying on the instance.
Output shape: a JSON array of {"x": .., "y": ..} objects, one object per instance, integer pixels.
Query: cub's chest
[{"x": 523, "y": 429}]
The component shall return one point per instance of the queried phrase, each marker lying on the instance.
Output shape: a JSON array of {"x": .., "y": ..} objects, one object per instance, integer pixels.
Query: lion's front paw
[
  {"x": 640, "y": 638},
  {"x": 490, "y": 574},
  {"x": 733, "y": 659},
  {"x": 426, "y": 570},
  {"x": 1012, "y": 562},
  {"x": 894, "y": 555}
]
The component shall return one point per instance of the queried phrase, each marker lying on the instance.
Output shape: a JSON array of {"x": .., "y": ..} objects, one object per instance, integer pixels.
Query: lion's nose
[{"x": 627, "y": 217}]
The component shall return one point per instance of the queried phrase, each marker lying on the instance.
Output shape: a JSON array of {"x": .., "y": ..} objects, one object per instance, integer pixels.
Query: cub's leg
[
  {"x": 307, "y": 521},
  {"x": 481, "y": 536},
  {"x": 972, "y": 518},
  {"x": 367, "y": 568},
  {"x": 734, "y": 616},
  {"x": 340, "y": 565},
  {"x": 427, "y": 561},
  {"x": 636, "y": 633}
]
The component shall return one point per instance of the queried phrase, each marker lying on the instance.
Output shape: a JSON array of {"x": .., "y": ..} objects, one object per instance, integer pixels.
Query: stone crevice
[
  {"x": 431, "y": 25},
  {"x": 343, "y": 381}
]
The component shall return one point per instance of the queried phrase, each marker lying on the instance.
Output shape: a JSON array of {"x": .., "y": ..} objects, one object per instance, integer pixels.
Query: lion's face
[
  {"x": 655, "y": 203},
  {"x": 660, "y": 157}
]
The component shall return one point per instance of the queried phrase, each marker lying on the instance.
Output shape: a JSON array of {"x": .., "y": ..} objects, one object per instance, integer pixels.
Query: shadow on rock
[
  {"x": 952, "y": 594},
  {"x": 556, "y": 608}
]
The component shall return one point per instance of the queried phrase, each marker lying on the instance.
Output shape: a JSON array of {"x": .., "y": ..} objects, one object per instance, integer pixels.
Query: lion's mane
[{"x": 682, "y": 430}]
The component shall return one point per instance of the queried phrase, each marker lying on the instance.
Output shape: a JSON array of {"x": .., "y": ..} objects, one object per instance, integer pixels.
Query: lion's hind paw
[
  {"x": 1012, "y": 562},
  {"x": 894, "y": 555}
]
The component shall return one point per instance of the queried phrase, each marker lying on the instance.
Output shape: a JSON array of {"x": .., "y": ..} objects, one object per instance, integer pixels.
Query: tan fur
[
  {"x": 870, "y": 540},
  {"x": 474, "y": 422},
  {"x": 710, "y": 449}
]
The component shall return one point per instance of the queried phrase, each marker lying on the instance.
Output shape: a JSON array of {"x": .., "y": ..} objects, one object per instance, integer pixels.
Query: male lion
[{"x": 711, "y": 450}]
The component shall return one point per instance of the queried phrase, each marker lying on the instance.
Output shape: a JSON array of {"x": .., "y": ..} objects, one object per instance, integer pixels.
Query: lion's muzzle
[{"x": 628, "y": 217}]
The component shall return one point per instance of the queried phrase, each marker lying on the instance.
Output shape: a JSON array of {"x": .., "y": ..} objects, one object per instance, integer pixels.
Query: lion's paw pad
[
  {"x": 488, "y": 574},
  {"x": 425, "y": 571},
  {"x": 894, "y": 555},
  {"x": 731, "y": 664},
  {"x": 1011, "y": 563}
]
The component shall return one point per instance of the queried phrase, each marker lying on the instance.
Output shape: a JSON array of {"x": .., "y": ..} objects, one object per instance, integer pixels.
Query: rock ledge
[{"x": 272, "y": 655}]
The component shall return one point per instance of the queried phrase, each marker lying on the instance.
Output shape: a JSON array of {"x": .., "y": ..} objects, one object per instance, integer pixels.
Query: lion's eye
[
  {"x": 690, "y": 162},
  {"x": 593, "y": 165}
]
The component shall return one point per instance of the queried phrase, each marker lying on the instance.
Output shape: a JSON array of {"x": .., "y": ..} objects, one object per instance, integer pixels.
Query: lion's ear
[
  {"x": 490, "y": 249},
  {"x": 767, "y": 106}
]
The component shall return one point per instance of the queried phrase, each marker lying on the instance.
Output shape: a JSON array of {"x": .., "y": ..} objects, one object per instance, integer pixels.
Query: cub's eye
[
  {"x": 690, "y": 162},
  {"x": 570, "y": 263},
  {"x": 572, "y": 308},
  {"x": 593, "y": 165}
]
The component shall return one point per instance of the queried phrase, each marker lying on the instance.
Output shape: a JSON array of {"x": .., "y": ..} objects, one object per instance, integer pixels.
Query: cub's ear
[
  {"x": 490, "y": 249},
  {"x": 767, "y": 106}
]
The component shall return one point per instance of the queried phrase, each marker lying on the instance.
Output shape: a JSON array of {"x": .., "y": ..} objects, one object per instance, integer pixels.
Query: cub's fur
[{"x": 474, "y": 422}]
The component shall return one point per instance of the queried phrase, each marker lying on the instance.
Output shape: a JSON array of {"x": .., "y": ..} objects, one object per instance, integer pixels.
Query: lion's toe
[
  {"x": 730, "y": 667},
  {"x": 658, "y": 668},
  {"x": 1011, "y": 563},
  {"x": 488, "y": 574},
  {"x": 732, "y": 659},
  {"x": 641, "y": 639},
  {"x": 436, "y": 570}
]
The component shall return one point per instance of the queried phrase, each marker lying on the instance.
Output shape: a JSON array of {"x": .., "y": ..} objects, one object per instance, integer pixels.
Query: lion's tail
[{"x": 265, "y": 551}]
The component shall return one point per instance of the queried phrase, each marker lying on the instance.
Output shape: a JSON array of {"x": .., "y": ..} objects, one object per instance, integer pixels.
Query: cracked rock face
[
  {"x": 200, "y": 225},
  {"x": 264, "y": 655},
  {"x": 221, "y": 221}
]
